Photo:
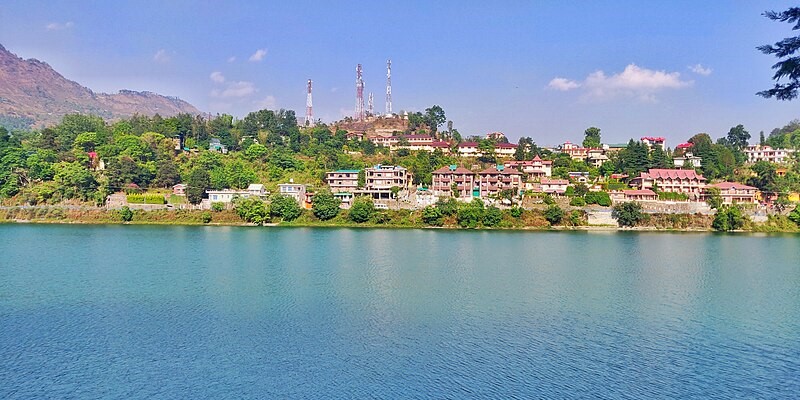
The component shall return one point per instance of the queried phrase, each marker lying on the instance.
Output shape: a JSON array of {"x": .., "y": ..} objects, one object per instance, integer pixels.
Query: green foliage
[
  {"x": 199, "y": 182},
  {"x": 729, "y": 218},
  {"x": 577, "y": 202},
  {"x": 794, "y": 215},
  {"x": 492, "y": 216},
  {"x": 448, "y": 207},
  {"x": 553, "y": 214},
  {"x": 673, "y": 196},
  {"x": 125, "y": 214},
  {"x": 516, "y": 212},
  {"x": 599, "y": 198},
  {"x": 147, "y": 198},
  {"x": 217, "y": 206},
  {"x": 628, "y": 213},
  {"x": 362, "y": 209},
  {"x": 471, "y": 214},
  {"x": 576, "y": 218},
  {"x": 549, "y": 200},
  {"x": 591, "y": 137},
  {"x": 325, "y": 205},
  {"x": 785, "y": 50},
  {"x": 713, "y": 197},
  {"x": 251, "y": 209},
  {"x": 432, "y": 215},
  {"x": 205, "y": 217}
]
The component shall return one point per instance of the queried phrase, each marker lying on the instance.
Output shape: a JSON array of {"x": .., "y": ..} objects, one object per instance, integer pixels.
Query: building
[
  {"x": 596, "y": 157},
  {"x": 633, "y": 195},
  {"x": 688, "y": 160},
  {"x": 293, "y": 190},
  {"x": 343, "y": 180},
  {"x": 443, "y": 146},
  {"x": 179, "y": 189},
  {"x": 216, "y": 145},
  {"x": 579, "y": 177},
  {"x": 256, "y": 189},
  {"x": 671, "y": 180},
  {"x": 469, "y": 149},
  {"x": 505, "y": 149},
  {"x": 536, "y": 168},
  {"x": 444, "y": 178},
  {"x": 386, "y": 177},
  {"x": 225, "y": 195},
  {"x": 651, "y": 141},
  {"x": 758, "y": 153},
  {"x": 732, "y": 192},
  {"x": 554, "y": 186},
  {"x": 575, "y": 151},
  {"x": 493, "y": 180},
  {"x": 496, "y": 137}
]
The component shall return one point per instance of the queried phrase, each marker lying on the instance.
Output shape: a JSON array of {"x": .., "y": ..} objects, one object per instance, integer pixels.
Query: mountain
[{"x": 33, "y": 94}]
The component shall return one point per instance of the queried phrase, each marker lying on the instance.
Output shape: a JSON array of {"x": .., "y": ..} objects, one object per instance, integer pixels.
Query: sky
[{"x": 544, "y": 69}]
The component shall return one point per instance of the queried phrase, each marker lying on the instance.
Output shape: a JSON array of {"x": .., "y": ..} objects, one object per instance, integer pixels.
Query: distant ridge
[{"x": 33, "y": 94}]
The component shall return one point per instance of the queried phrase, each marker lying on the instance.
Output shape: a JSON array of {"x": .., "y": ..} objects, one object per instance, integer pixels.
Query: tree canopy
[{"x": 789, "y": 65}]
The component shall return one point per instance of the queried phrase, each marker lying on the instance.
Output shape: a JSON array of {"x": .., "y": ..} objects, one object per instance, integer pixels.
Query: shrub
[
  {"x": 599, "y": 198},
  {"x": 577, "y": 202},
  {"x": 549, "y": 200},
  {"x": 471, "y": 214},
  {"x": 516, "y": 212},
  {"x": 448, "y": 207},
  {"x": 728, "y": 218},
  {"x": 492, "y": 216},
  {"x": 284, "y": 207},
  {"x": 576, "y": 218},
  {"x": 794, "y": 216},
  {"x": 251, "y": 209},
  {"x": 205, "y": 217},
  {"x": 553, "y": 214},
  {"x": 432, "y": 215},
  {"x": 362, "y": 209},
  {"x": 125, "y": 214},
  {"x": 628, "y": 213},
  {"x": 217, "y": 206},
  {"x": 325, "y": 205}
]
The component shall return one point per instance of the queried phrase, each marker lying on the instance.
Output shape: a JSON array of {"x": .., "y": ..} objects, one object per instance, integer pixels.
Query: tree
[
  {"x": 325, "y": 205},
  {"x": 362, "y": 209},
  {"x": 553, "y": 214},
  {"x": 713, "y": 197},
  {"x": 794, "y": 216},
  {"x": 738, "y": 137},
  {"x": 433, "y": 216},
  {"x": 199, "y": 182},
  {"x": 284, "y": 207},
  {"x": 789, "y": 66},
  {"x": 728, "y": 218},
  {"x": 492, "y": 216},
  {"x": 761, "y": 140},
  {"x": 627, "y": 214},
  {"x": 591, "y": 137},
  {"x": 125, "y": 214},
  {"x": 166, "y": 173},
  {"x": 251, "y": 209},
  {"x": 577, "y": 202},
  {"x": 434, "y": 117},
  {"x": 471, "y": 214}
]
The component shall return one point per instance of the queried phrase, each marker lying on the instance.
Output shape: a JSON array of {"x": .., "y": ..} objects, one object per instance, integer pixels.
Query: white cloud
[
  {"x": 267, "y": 103},
  {"x": 56, "y": 26},
  {"x": 258, "y": 55},
  {"x": 161, "y": 56},
  {"x": 633, "y": 81},
  {"x": 701, "y": 70},
  {"x": 231, "y": 59},
  {"x": 217, "y": 77},
  {"x": 563, "y": 84},
  {"x": 235, "y": 89}
]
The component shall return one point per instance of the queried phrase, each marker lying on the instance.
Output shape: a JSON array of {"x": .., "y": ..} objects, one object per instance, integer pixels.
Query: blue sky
[{"x": 545, "y": 69}]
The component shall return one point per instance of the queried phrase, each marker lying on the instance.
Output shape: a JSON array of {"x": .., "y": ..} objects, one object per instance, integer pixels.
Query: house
[
  {"x": 216, "y": 145},
  {"x": 225, "y": 195},
  {"x": 596, "y": 157},
  {"x": 536, "y": 168},
  {"x": 343, "y": 180},
  {"x": 671, "y": 180},
  {"x": 444, "y": 178},
  {"x": 575, "y": 151},
  {"x": 385, "y": 177},
  {"x": 496, "y": 137},
  {"x": 469, "y": 149},
  {"x": 439, "y": 145},
  {"x": 688, "y": 160},
  {"x": 179, "y": 189},
  {"x": 495, "y": 179},
  {"x": 732, "y": 192},
  {"x": 256, "y": 189},
  {"x": 293, "y": 190},
  {"x": 505, "y": 149},
  {"x": 758, "y": 153},
  {"x": 554, "y": 186},
  {"x": 633, "y": 195},
  {"x": 580, "y": 177},
  {"x": 651, "y": 141}
]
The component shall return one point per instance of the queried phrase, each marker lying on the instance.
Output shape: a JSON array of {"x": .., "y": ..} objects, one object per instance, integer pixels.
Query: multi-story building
[
  {"x": 596, "y": 157},
  {"x": 446, "y": 178},
  {"x": 672, "y": 180},
  {"x": 343, "y": 180},
  {"x": 651, "y": 141},
  {"x": 536, "y": 168},
  {"x": 382, "y": 177},
  {"x": 469, "y": 149},
  {"x": 497, "y": 178},
  {"x": 505, "y": 149},
  {"x": 733, "y": 192},
  {"x": 758, "y": 153},
  {"x": 293, "y": 190},
  {"x": 553, "y": 186},
  {"x": 576, "y": 152},
  {"x": 688, "y": 160}
]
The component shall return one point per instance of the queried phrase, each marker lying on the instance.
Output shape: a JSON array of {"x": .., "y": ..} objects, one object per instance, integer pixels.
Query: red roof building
[
  {"x": 494, "y": 179},
  {"x": 672, "y": 180},
  {"x": 733, "y": 192},
  {"x": 444, "y": 179}
]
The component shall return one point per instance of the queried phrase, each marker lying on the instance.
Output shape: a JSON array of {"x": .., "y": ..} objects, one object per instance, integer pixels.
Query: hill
[{"x": 33, "y": 94}]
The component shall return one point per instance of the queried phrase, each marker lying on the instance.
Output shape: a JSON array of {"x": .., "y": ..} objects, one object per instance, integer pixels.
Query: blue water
[{"x": 232, "y": 312}]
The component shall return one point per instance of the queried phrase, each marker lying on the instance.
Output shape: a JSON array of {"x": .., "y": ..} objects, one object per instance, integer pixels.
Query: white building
[{"x": 758, "y": 153}]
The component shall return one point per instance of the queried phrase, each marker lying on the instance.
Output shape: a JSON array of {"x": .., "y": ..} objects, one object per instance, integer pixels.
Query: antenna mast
[
  {"x": 359, "y": 115},
  {"x": 309, "y": 107},
  {"x": 370, "y": 109},
  {"x": 388, "y": 87}
]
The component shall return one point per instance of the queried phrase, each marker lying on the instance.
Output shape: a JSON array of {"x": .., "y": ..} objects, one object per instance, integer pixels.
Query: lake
[{"x": 246, "y": 312}]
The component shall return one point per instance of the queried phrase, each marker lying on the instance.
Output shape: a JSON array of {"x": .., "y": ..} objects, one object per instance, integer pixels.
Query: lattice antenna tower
[
  {"x": 359, "y": 115},
  {"x": 309, "y": 106},
  {"x": 370, "y": 109},
  {"x": 388, "y": 87}
]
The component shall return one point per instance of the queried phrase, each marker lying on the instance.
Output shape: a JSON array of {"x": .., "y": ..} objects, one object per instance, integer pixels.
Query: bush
[
  {"x": 553, "y": 214},
  {"x": 516, "y": 212},
  {"x": 794, "y": 216},
  {"x": 471, "y": 214},
  {"x": 126, "y": 214},
  {"x": 448, "y": 207},
  {"x": 284, "y": 207},
  {"x": 362, "y": 209},
  {"x": 599, "y": 198},
  {"x": 325, "y": 205},
  {"x": 217, "y": 206},
  {"x": 576, "y": 218},
  {"x": 549, "y": 200},
  {"x": 728, "y": 218},
  {"x": 147, "y": 198},
  {"x": 627, "y": 214},
  {"x": 251, "y": 209},
  {"x": 492, "y": 216},
  {"x": 577, "y": 202},
  {"x": 433, "y": 216},
  {"x": 205, "y": 217}
]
